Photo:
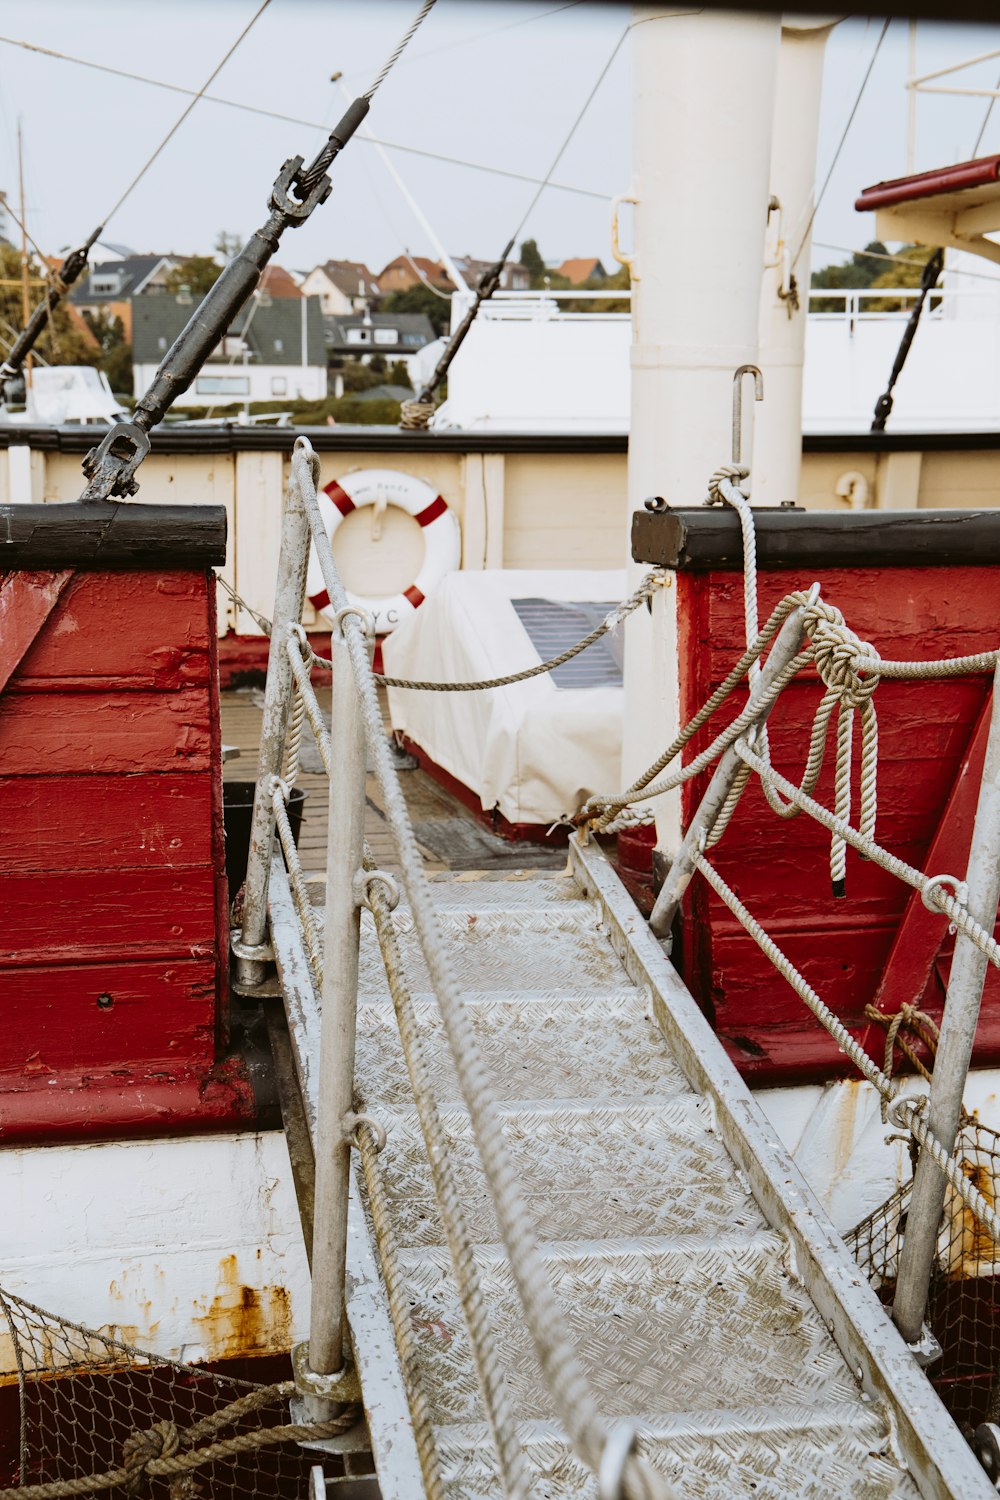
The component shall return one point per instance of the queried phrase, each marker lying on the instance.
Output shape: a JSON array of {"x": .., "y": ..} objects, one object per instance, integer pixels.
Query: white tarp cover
[{"x": 534, "y": 750}]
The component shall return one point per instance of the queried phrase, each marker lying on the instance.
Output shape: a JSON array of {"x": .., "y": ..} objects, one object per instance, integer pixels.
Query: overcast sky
[{"x": 491, "y": 81}]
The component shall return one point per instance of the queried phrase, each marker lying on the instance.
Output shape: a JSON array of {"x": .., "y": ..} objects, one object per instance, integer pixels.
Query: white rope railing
[{"x": 586, "y": 1424}]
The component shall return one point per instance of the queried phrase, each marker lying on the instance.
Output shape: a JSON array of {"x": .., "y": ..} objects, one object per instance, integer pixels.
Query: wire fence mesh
[
  {"x": 963, "y": 1309},
  {"x": 82, "y": 1403}
]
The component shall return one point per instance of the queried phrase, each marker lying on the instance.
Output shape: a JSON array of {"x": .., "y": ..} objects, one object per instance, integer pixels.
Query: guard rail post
[
  {"x": 784, "y": 650},
  {"x": 954, "y": 1053},
  {"x": 250, "y": 951},
  {"x": 341, "y": 939}
]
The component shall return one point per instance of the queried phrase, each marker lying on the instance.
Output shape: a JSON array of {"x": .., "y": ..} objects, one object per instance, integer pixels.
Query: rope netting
[
  {"x": 85, "y": 1413},
  {"x": 964, "y": 1303}
]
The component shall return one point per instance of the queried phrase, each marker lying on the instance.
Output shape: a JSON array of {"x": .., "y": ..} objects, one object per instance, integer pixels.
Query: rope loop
[
  {"x": 729, "y": 474},
  {"x": 365, "y": 879},
  {"x": 840, "y": 655},
  {"x": 363, "y": 617},
  {"x": 929, "y": 892},
  {"x": 351, "y": 1126}
]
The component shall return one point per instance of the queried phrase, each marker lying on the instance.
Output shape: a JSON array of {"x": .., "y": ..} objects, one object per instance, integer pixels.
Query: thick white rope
[
  {"x": 906, "y": 1111},
  {"x": 930, "y": 886}
]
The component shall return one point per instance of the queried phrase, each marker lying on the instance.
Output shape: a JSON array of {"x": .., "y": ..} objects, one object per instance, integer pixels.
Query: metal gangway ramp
[{"x": 578, "y": 1260}]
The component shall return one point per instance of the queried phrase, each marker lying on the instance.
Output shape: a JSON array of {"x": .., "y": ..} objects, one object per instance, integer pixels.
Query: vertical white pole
[
  {"x": 777, "y": 421},
  {"x": 703, "y": 104},
  {"x": 911, "y": 101}
]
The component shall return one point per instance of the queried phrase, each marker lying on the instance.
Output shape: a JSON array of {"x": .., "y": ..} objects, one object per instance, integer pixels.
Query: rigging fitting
[{"x": 298, "y": 189}]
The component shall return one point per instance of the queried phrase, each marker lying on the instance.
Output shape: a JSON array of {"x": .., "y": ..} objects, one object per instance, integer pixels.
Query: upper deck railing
[{"x": 851, "y": 304}]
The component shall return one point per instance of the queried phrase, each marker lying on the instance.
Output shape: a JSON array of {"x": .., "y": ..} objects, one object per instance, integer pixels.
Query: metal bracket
[
  {"x": 252, "y": 974},
  {"x": 342, "y": 1387},
  {"x": 111, "y": 466},
  {"x": 925, "y": 1350},
  {"x": 281, "y": 200}
]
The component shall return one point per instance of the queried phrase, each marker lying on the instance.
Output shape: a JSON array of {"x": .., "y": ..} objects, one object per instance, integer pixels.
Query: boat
[{"x": 553, "y": 1208}]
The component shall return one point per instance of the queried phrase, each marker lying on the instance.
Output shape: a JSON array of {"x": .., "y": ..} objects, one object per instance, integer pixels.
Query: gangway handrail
[{"x": 605, "y": 1448}]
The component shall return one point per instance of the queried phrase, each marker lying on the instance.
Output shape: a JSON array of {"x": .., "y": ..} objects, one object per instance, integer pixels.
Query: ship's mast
[
  {"x": 784, "y": 295},
  {"x": 704, "y": 89}
]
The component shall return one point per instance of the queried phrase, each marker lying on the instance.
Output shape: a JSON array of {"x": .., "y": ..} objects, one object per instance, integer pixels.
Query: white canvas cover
[{"x": 535, "y": 751}]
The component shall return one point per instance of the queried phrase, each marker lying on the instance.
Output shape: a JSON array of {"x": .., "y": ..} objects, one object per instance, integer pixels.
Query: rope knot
[
  {"x": 725, "y": 474},
  {"x": 415, "y": 416},
  {"x": 160, "y": 1441},
  {"x": 839, "y": 653}
]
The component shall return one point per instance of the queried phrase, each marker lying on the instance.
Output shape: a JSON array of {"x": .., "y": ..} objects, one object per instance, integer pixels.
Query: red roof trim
[{"x": 956, "y": 179}]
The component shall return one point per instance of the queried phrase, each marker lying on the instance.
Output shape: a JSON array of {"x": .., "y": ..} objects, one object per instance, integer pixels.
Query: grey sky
[{"x": 493, "y": 82}]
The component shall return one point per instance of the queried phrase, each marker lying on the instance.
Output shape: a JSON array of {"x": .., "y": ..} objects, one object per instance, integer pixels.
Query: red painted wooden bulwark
[
  {"x": 26, "y": 601},
  {"x": 780, "y": 868},
  {"x": 114, "y": 935}
]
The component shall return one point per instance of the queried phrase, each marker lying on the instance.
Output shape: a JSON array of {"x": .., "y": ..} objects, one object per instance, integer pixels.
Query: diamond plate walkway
[{"x": 709, "y": 1297}]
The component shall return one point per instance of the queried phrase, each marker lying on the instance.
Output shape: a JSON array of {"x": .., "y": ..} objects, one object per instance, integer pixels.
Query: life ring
[{"x": 442, "y": 539}]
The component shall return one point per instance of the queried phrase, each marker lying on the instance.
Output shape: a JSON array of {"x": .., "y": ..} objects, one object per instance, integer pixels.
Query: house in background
[
  {"x": 413, "y": 270},
  {"x": 342, "y": 286},
  {"x": 581, "y": 270},
  {"x": 513, "y": 278},
  {"x": 393, "y": 335},
  {"x": 275, "y": 281},
  {"x": 274, "y": 350},
  {"x": 111, "y": 286}
]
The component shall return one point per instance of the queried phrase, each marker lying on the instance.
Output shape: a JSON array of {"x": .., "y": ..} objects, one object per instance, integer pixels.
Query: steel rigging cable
[
  {"x": 298, "y": 189},
  {"x": 75, "y": 262},
  {"x": 273, "y": 114},
  {"x": 415, "y": 415}
]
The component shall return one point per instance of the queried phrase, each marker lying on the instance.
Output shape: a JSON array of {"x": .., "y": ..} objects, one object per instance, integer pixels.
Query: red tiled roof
[
  {"x": 580, "y": 269},
  {"x": 277, "y": 282}
]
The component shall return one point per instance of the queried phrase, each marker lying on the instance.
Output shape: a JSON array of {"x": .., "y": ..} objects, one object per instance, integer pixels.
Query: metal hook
[{"x": 758, "y": 395}]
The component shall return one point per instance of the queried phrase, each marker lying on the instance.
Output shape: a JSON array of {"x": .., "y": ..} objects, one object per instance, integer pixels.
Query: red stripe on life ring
[
  {"x": 430, "y": 513},
  {"x": 340, "y": 498},
  {"x": 320, "y": 600},
  {"x": 414, "y": 595}
]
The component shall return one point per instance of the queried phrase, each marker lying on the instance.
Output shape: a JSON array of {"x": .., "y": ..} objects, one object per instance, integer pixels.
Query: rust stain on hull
[{"x": 243, "y": 1319}]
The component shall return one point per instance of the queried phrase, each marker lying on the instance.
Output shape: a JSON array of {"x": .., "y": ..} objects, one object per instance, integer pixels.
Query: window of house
[
  {"x": 357, "y": 335},
  {"x": 105, "y": 286},
  {"x": 279, "y": 346},
  {"x": 279, "y": 385},
  {"x": 222, "y": 385},
  {"x": 386, "y": 336},
  {"x": 161, "y": 343}
]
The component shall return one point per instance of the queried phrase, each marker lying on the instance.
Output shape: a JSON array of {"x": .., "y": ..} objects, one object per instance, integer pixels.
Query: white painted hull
[
  {"x": 851, "y": 1160},
  {"x": 189, "y": 1247}
]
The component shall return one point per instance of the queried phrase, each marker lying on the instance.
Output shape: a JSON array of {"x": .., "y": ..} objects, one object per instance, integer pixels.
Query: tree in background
[
  {"x": 65, "y": 341},
  {"x": 873, "y": 267},
  {"x": 861, "y": 270},
  {"x": 197, "y": 275},
  {"x": 399, "y": 374},
  {"x": 115, "y": 357},
  {"x": 227, "y": 246},
  {"x": 420, "y": 299},
  {"x": 531, "y": 260}
]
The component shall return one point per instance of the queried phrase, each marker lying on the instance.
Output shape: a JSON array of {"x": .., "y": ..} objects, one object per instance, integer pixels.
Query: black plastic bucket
[{"x": 237, "y": 816}]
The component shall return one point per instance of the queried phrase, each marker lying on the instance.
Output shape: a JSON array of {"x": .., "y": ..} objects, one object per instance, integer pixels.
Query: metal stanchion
[
  {"x": 250, "y": 952},
  {"x": 954, "y": 1052},
  {"x": 335, "y": 1120}
]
